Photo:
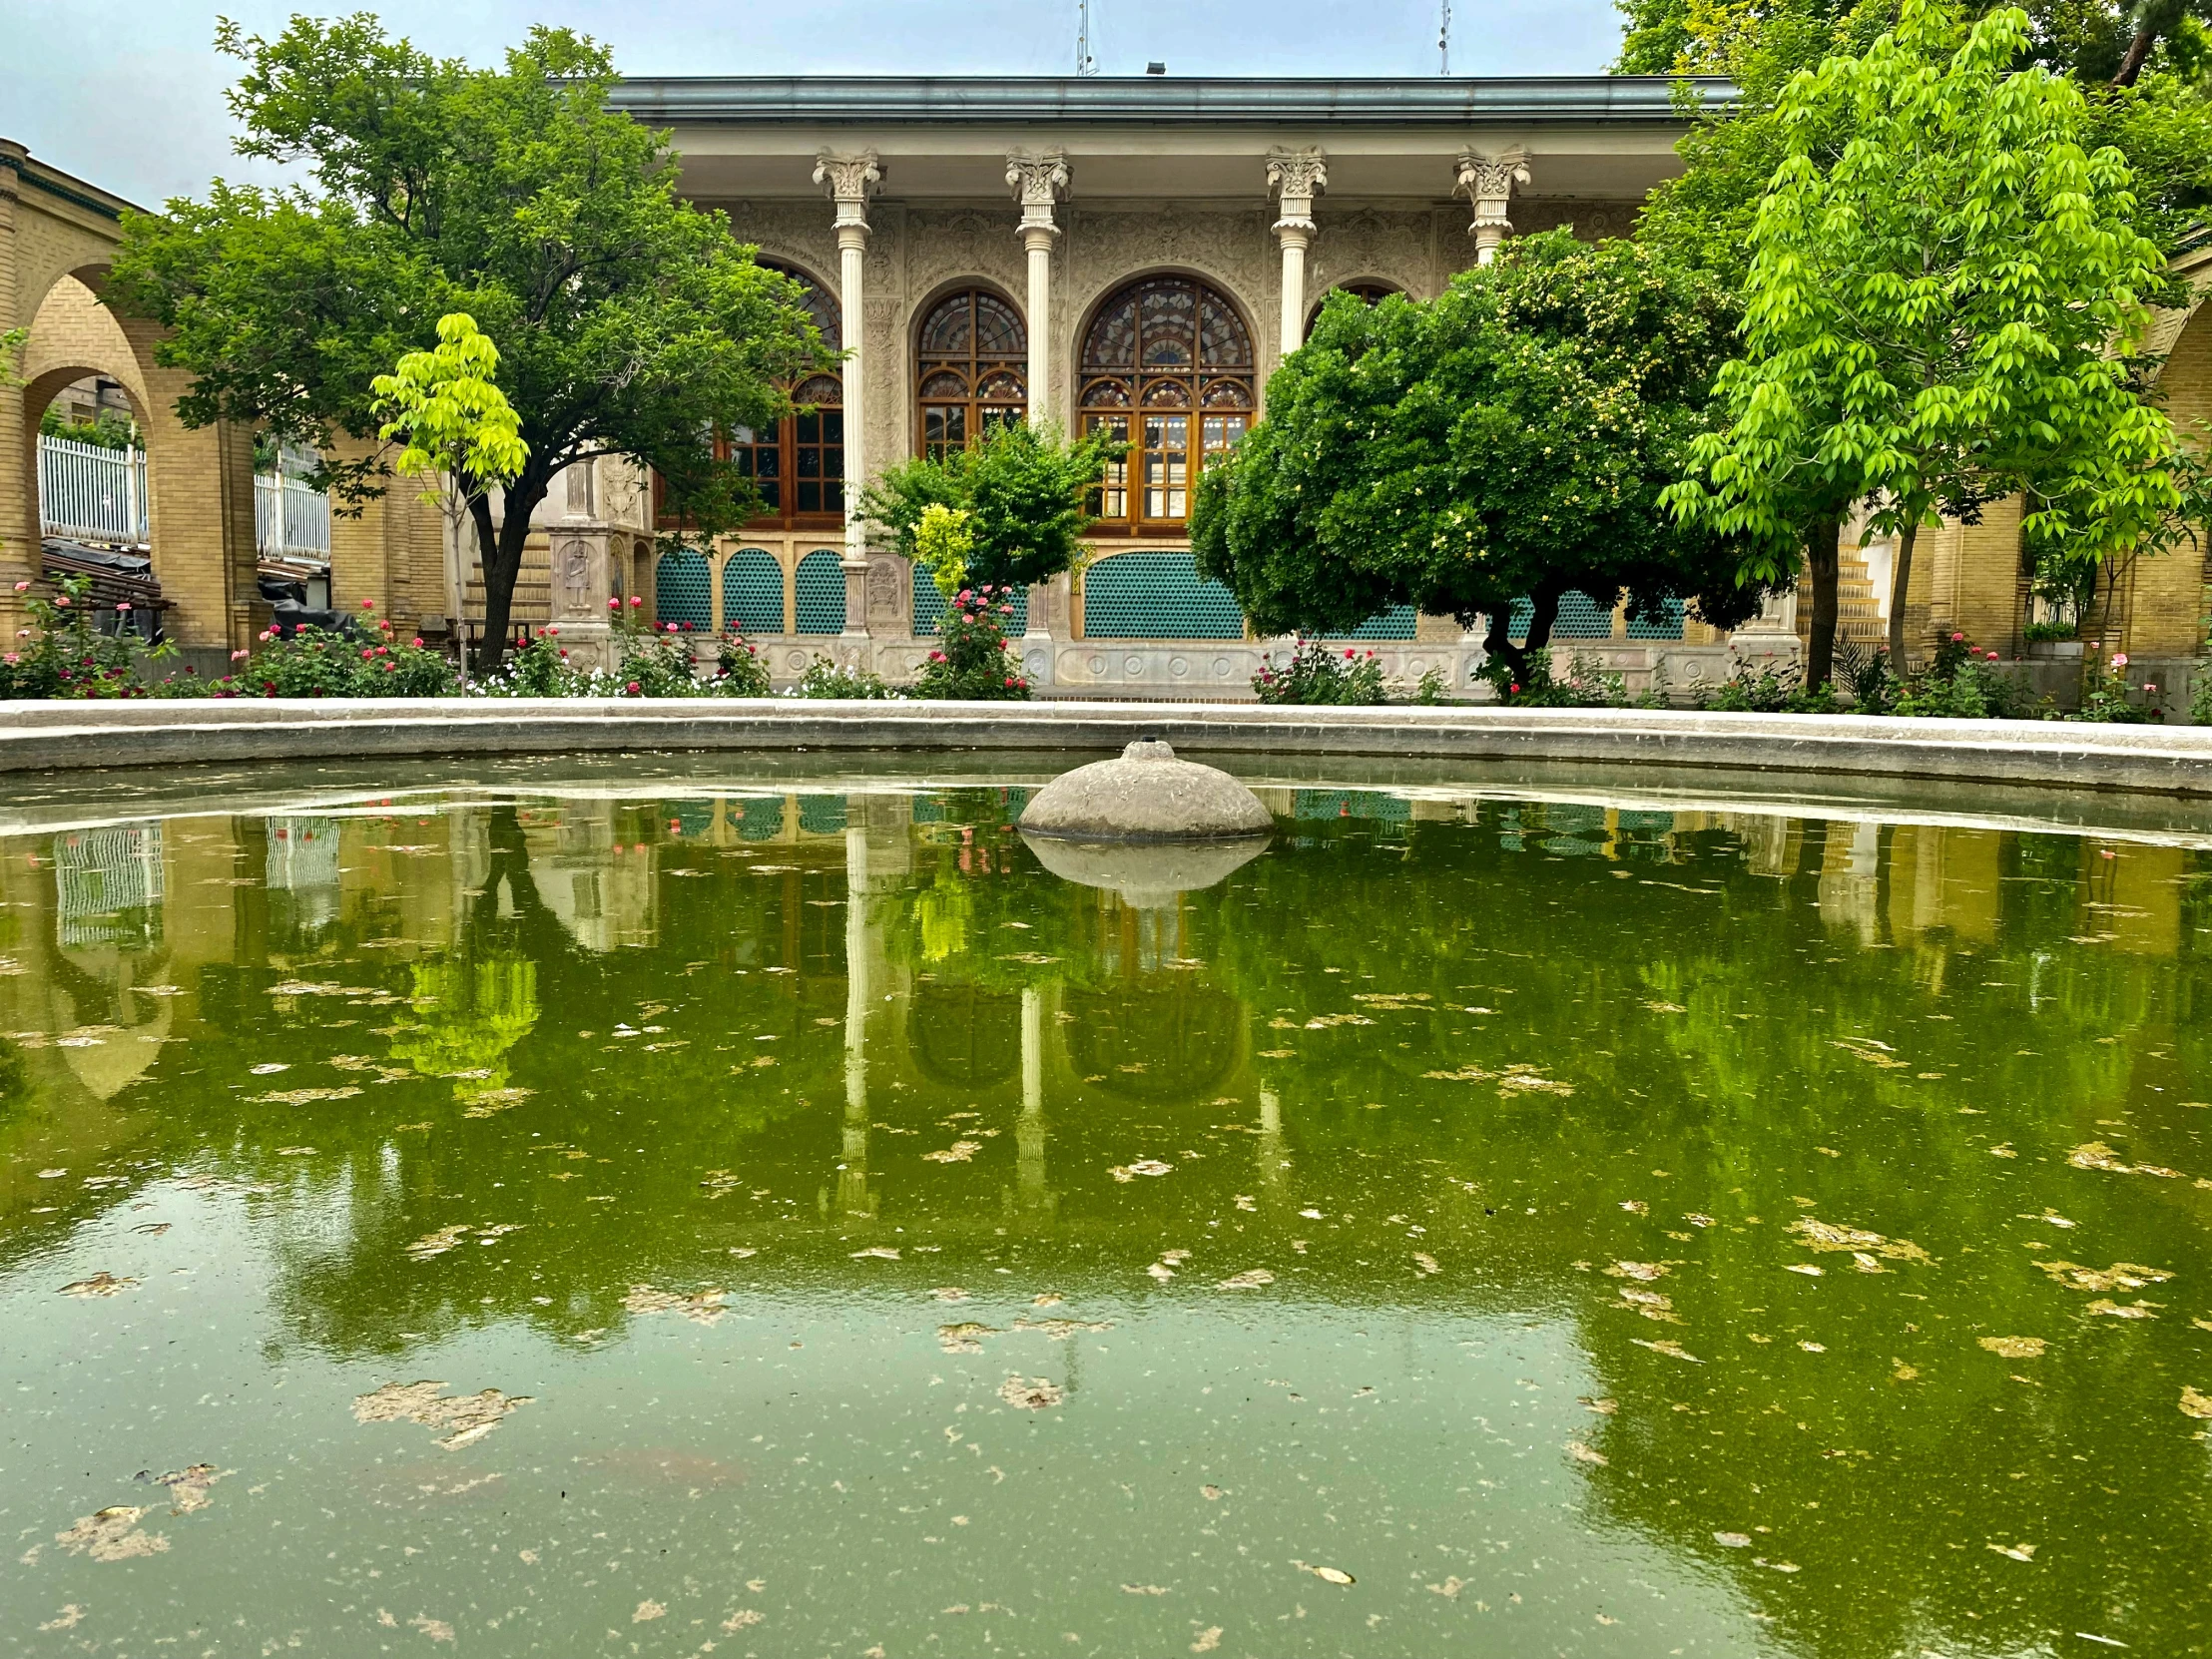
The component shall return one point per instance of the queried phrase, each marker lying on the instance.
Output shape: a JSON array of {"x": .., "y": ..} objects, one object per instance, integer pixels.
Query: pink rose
[
  {"x": 122, "y": 604},
  {"x": 2119, "y": 659},
  {"x": 632, "y": 688},
  {"x": 63, "y": 599},
  {"x": 419, "y": 642},
  {"x": 368, "y": 604},
  {"x": 23, "y": 587},
  {"x": 635, "y": 601},
  {"x": 614, "y": 604}
]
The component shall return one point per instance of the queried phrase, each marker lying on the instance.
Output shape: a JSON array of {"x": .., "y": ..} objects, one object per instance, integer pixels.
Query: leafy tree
[
  {"x": 459, "y": 430},
  {"x": 1510, "y": 439},
  {"x": 631, "y": 322},
  {"x": 1022, "y": 491},
  {"x": 1928, "y": 315}
]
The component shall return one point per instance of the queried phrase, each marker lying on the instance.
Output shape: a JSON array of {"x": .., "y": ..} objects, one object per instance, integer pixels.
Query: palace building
[{"x": 1130, "y": 254}]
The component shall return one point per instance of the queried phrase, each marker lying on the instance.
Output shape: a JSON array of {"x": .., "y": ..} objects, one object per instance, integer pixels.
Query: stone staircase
[{"x": 1858, "y": 615}]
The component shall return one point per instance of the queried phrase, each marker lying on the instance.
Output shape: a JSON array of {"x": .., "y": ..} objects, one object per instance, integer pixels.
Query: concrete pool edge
[{"x": 2145, "y": 759}]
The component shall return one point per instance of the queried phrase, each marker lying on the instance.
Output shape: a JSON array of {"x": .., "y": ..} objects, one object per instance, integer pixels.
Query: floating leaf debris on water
[
  {"x": 188, "y": 1488},
  {"x": 1645, "y": 1271},
  {"x": 111, "y": 1534},
  {"x": 1672, "y": 1349},
  {"x": 699, "y": 1307},
  {"x": 494, "y": 1101},
  {"x": 2016, "y": 1347},
  {"x": 1650, "y": 1304},
  {"x": 2195, "y": 1405},
  {"x": 966, "y": 1338},
  {"x": 1826, "y": 1235},
  {"x": 1427, "y": 1263},
  {"x": 438, "y": 1243},
  {"x": 2120, "y": 1276},
  {"x": 2017, "y": 1552},
  {"x": 100, "y": 1283},
  {"x": 1248, "y": 1280},
  {"x": 1586, "y": 1454},
  {"x": 304, "y": 1097},
  {"x": 959, "y": 1152},
  {"x": 1327, "y": 1576},
  {"x": 1032, "y": 1394},
  {"x": 1733, "y": 1540},
  {"x": 1208, "y": 1640},
  {"x": 2096, "y": 1155},
  {"x": 884, "y": 1252},
  {"x": 469, "y": 1417},
  {"x": 1143, "y": 1166}
]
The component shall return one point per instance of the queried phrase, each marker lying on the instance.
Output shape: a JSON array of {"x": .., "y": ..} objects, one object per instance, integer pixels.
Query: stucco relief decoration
[
  {"x": 1590, "y": 220},
  {"x": 1487, "y": 183},
  {"x": 784, "y": 233},
  {"x": 962, "y": 243},
  {"x": 884, "y": 586},
  {"x": 887, "y": 437},
  {"x": 1233, "y": 249},
  {"x": 1373, "y": 245}
]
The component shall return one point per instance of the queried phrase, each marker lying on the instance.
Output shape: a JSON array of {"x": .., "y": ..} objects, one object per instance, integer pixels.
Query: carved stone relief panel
[
  {"x": 945, "y": 244},
  {"x": 888, "y": 431},
  {"x": 1230, "y": 247},
  {"x": 884, "y": 272},
  {"x": 1371, "y": 245},
  {"x": 1591, "y": 219},
  {"x": 789, "y": 233},
  {"x": 887, "y": 593}
]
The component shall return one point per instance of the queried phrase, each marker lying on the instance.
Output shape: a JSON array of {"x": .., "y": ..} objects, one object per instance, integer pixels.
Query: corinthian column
[
  {"x": 1487, "y": 183},
  {"x": 1038, "y": 182},
  {"x": 851, "y": 180},
  {"x": 1296, "y": 177}
]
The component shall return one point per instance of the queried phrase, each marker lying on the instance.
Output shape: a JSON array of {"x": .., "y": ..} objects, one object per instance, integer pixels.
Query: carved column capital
[
  {"x": 1038, "y": 182},
  {"x": 1487, "y": 183},
  {"x": 849, "y": 182},
  {"x": 1296, "y": 177}
]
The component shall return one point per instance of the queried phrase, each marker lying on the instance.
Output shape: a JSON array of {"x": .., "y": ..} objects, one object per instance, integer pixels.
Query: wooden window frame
[
  {"x": 1173, "y": 414},
  {"x": 975, "y": 370}
]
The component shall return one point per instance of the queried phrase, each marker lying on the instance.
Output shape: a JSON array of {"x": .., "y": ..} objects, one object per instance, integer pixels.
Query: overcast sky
[{"x": 129, "y": 93}]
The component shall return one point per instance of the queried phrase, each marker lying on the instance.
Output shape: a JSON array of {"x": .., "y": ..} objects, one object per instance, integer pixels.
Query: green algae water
[{"x": 784, "y": 1218}]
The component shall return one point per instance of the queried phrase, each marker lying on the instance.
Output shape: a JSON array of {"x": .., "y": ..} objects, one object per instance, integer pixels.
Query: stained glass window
[
  {"x": 971, "y": 371},
  {"x": 1159, "y": 348}
]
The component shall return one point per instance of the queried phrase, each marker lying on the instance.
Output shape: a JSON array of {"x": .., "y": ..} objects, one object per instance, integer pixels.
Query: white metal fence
[
  {"x": 88, "y": 493},
  {"x": 288, "y": 517}
]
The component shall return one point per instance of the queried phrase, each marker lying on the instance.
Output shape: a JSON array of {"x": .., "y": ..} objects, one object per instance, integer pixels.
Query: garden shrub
[
  {"x": 1587, "y": 684},
  {"x": 1316, "y": 674},
  {"x": 67, "y": 657},
  {"x": 972, "y": 660},
  {"x": 825, "y": 679}
]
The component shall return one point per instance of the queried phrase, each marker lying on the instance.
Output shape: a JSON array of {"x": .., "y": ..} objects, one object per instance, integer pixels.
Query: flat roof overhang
[{"x": 1157, "y": 136}]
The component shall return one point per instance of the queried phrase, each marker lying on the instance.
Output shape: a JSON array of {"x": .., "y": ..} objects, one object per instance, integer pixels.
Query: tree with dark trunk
[
  {"x": 629, "y": 323},
  {"x": 1509, "y": 439}
]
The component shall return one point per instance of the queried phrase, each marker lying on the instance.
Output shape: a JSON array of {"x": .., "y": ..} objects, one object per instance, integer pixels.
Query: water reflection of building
[
  {"x": 301, "y": 862},
  {"x": 110, "y": 883}
]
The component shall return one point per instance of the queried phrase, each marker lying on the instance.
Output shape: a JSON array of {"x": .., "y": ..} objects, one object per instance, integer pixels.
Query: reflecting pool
[{"x": 775, "y": 1215}]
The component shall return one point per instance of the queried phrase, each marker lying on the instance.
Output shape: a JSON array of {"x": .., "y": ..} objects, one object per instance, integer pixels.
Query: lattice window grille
[
  {"x": 1579, "y": 619},
  {"x": 752, "y": 592},
  {"x": 1155, "y": 596},
  {"x": 761, "y": 819},
  {"x": 684, "y": 590},
  {"x": 819, "y": 589},
  {"x": 1350, "y": 804},
  {"x": 1399, "y": 623},
  {"x": 1668, "y": 626},
  {"x": 929, "y": 607}
]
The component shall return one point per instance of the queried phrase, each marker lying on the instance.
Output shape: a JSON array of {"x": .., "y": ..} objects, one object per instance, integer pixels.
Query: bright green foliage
[
  {"x": 1531, "y": 684},
  {"x": 1510, "y": 439},
  {"x": 739, "y": 669},
  {"x": 825, "y": 679},
  {"x": 971, "y": 658},
  {"x": 944, "y": 539},
  {"x": 629, "y": 321},
  {"x": 1023, "y": 489},
  {"x": 447, "y": 410},
  {"x": 1928, "y": 312}
]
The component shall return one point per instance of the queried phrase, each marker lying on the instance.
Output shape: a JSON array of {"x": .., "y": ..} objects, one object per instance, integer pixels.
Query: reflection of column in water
[
  {"x": 1271, "y": 1161},
  {"x": 1850, "y": 879},
  {"x": 852, "y": 1193},
  {"x": 1029, "y": 1129}
]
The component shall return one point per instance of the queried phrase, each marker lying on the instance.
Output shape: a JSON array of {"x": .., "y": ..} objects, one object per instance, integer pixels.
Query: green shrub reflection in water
[{"x": 1594, "y": 1230}]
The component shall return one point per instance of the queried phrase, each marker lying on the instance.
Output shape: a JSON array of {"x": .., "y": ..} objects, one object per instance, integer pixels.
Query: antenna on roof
[
  {"x": 1443, "y": 41},
  {"x": 1085, "y": 64}
]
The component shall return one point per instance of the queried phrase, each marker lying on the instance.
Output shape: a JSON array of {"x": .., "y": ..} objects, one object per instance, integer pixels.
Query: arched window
[
  {"x": 684, "y": 590},
  {"x": 1167, "y": 369},
  {"x": 971, "y": 371},
  {"x": 797, "y": 465},
  {"x": 819, "y": 594},
  {"x": 752, "y": 592}
]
